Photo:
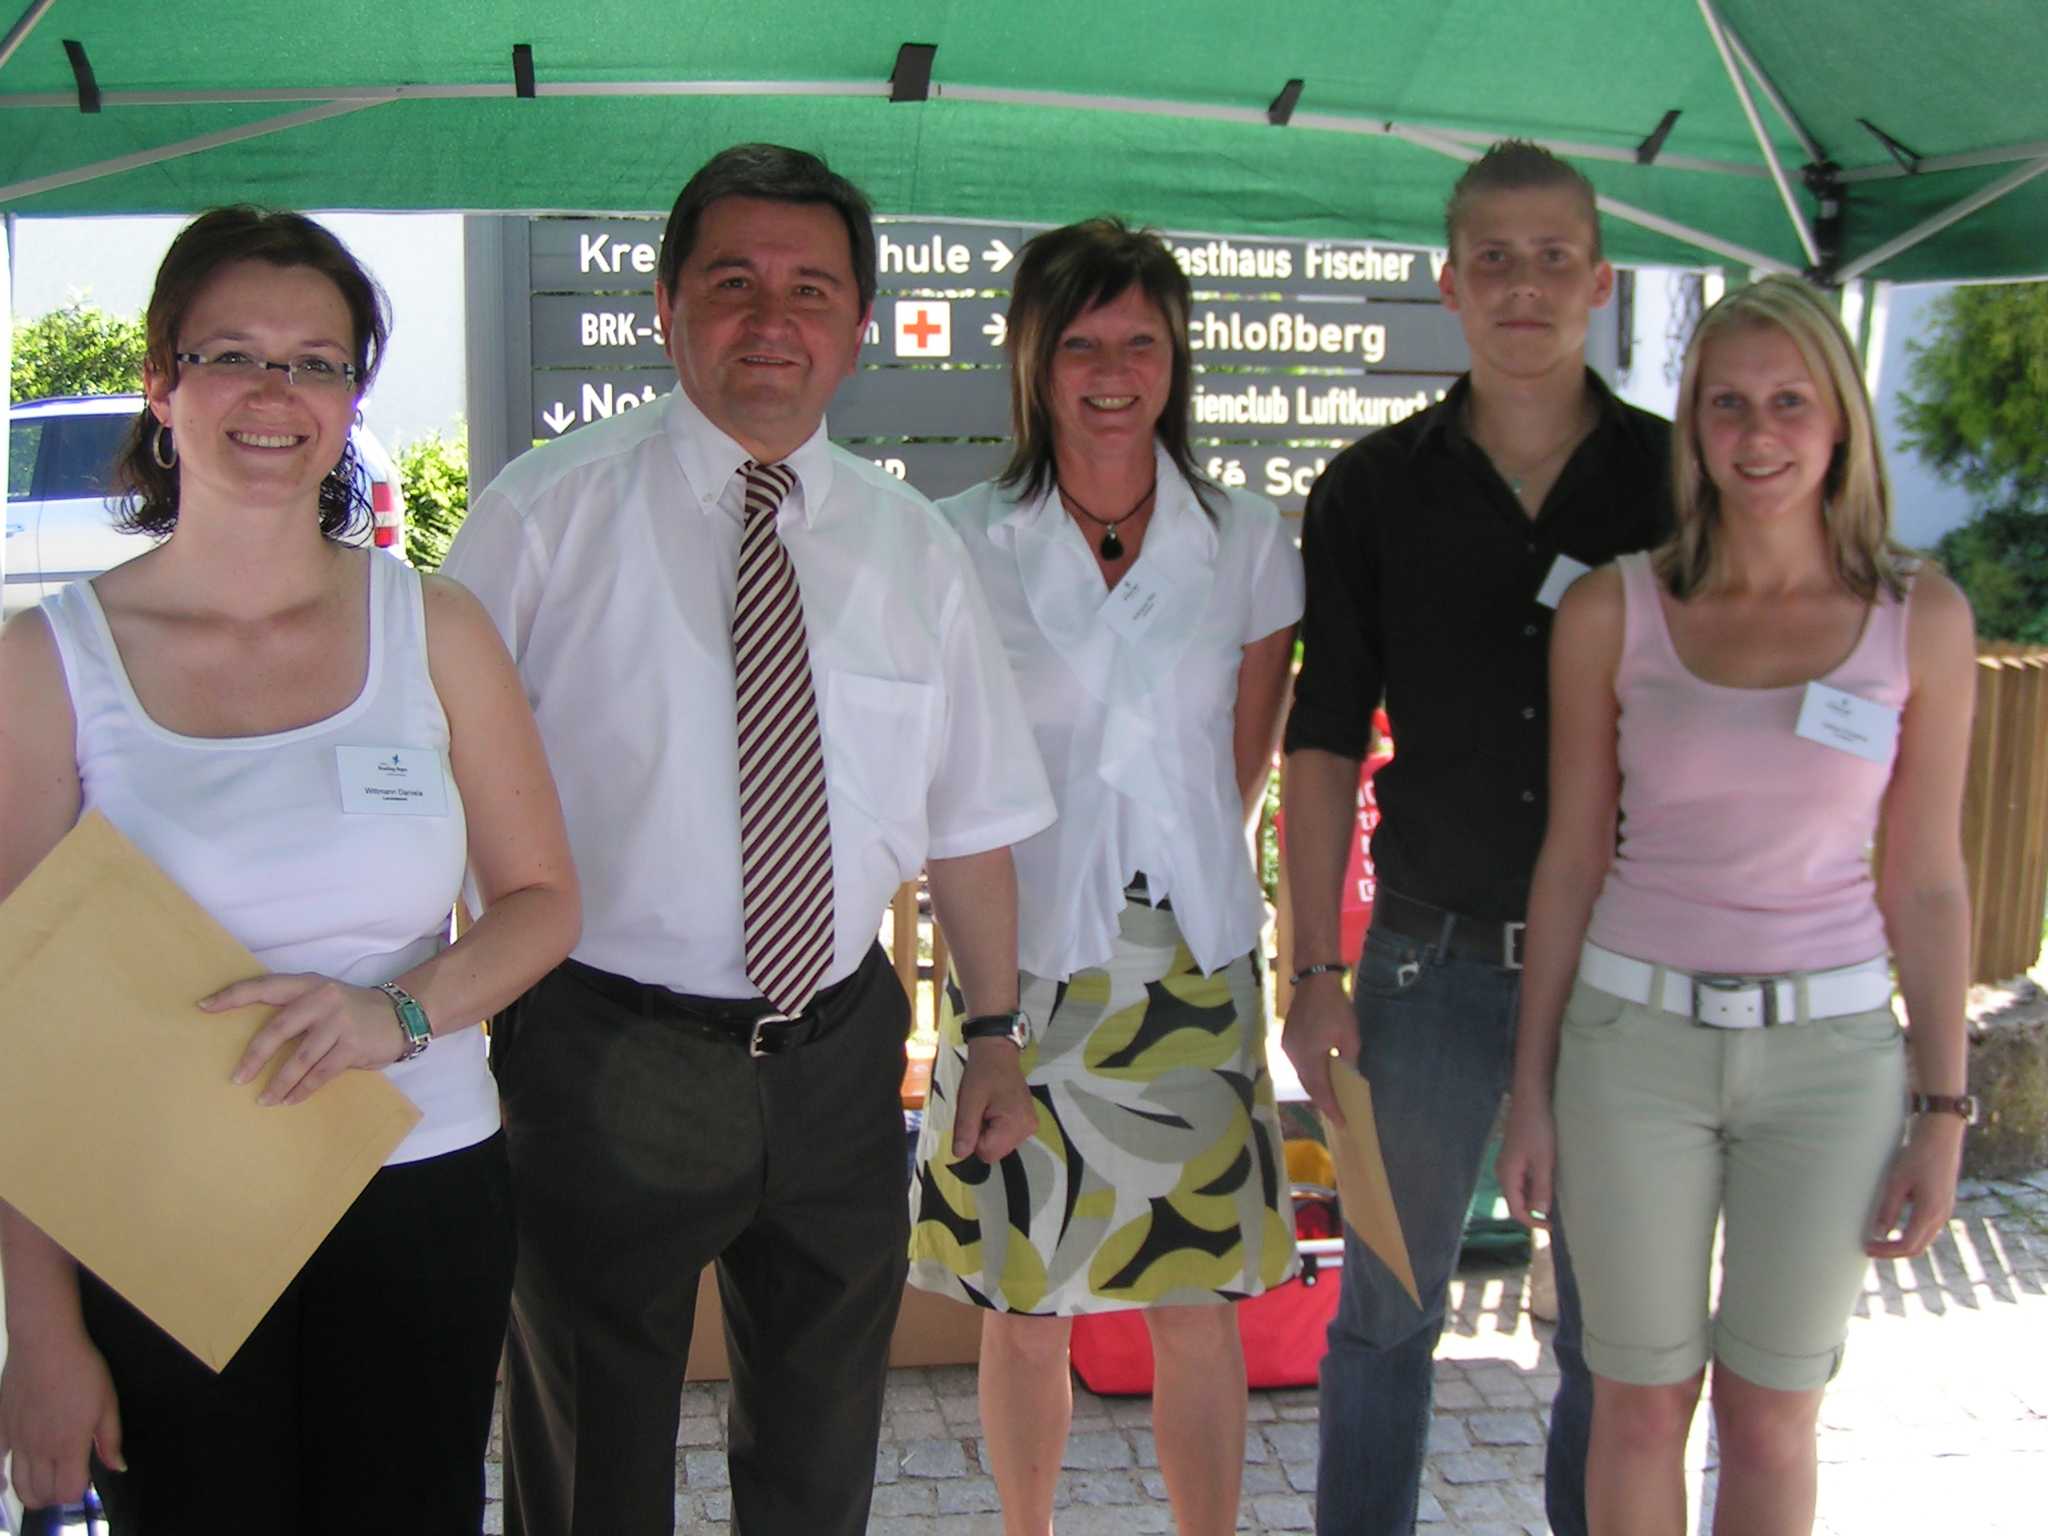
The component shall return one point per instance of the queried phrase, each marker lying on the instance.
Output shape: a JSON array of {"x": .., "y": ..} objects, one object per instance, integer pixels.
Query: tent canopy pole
[
  {"x": 183, "y": 147},
  {"x": 1949, "y": 215},
  {"x": 1722, "y": 34}
]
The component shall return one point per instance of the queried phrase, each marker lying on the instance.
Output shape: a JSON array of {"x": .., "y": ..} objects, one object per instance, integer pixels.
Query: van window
[
  {"x": 79, "y": 453},
  {"x": 23, "y": 438}
]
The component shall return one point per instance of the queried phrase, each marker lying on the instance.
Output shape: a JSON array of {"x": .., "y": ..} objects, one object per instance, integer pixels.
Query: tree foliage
[
  {"x": 1977, "y": 409},
  {"x": 77, "y": 350},
  {"x": 2000, "y": 559},
  {"x": 436, "y": 474}
]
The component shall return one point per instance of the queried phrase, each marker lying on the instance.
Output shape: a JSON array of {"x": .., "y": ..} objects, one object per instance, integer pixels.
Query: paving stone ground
[{"x": 1938, "y": 1421}]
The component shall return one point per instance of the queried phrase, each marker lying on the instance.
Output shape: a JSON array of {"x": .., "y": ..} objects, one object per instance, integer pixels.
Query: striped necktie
[{"x": 785, "y": 832}]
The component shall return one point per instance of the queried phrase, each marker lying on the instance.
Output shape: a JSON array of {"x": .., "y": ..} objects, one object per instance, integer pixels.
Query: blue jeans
[{"x": 1437, "y": 1036}]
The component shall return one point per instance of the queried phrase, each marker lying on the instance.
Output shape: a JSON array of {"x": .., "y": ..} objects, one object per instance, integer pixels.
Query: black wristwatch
[{"x": 1014, "y": 1027}]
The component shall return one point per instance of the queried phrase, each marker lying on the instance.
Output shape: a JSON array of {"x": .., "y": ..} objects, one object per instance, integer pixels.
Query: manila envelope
[
  {"x": 1362, "y": 1188},
  {"x": 120, "y": 1134}
]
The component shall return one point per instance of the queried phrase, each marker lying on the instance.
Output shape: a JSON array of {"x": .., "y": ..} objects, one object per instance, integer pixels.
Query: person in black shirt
[{"x": 1437, "y": 550}]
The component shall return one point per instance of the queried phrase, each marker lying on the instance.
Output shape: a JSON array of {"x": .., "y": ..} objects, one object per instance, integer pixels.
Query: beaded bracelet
[{"x": 1321, "y": 968}]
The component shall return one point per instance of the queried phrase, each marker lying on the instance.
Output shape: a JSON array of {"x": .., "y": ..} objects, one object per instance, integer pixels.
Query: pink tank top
[{"x": 1745, "y": 848}]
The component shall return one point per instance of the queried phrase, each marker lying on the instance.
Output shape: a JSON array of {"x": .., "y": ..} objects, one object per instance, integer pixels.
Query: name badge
[
  {"x": 1133, "y": 607},
  {"x": 1564, "y": 570},
  {"x": 1861, "y": 727},
  {"x": 392, "y": 781}
]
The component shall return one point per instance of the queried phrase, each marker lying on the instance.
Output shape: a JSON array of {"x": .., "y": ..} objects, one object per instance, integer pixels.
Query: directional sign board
[{"x": 1300, "y": 347}]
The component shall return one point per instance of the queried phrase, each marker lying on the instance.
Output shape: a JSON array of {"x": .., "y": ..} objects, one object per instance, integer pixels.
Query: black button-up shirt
[{"x": 1423, "y": 571}]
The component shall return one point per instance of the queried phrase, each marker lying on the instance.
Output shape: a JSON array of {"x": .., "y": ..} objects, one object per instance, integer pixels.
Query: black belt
[
  {"x": 752, "y": 1022},
  {"x": 1140, "y": 891},
  {"x": 1449, "y": 933}
]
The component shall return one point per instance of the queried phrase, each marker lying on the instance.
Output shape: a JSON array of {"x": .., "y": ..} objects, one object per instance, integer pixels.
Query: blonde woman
[{"x": 1748, "y": 702}]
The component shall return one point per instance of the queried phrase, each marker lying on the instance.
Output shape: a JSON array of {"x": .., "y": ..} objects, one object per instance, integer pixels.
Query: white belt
[{"x": 1740, "y": 1002}]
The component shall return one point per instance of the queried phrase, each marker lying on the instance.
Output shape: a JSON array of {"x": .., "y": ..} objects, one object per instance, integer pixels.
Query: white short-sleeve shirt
[
  {"x": 609, "y": 561},
  {"x": 1131, "y": 695}
]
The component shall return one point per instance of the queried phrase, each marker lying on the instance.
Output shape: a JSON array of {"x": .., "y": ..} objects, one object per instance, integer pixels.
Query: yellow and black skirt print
[{"x": 1155, "y": 1176}]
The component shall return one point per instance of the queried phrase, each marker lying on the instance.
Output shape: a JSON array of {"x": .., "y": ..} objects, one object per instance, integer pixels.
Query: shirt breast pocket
[{"x": 878, "y": 734}]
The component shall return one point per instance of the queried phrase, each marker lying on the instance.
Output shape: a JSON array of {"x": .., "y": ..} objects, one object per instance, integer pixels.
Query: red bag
[{"x": 1283, "y": 1330}]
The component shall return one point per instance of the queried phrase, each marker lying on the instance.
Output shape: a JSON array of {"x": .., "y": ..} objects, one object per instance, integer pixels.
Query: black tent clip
[
  {"x": 911, "y": 80},
  {"x": 81, "y": 71}
]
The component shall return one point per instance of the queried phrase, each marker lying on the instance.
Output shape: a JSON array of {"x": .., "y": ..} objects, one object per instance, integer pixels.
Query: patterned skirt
[{"x": 1155, "y": 1176}]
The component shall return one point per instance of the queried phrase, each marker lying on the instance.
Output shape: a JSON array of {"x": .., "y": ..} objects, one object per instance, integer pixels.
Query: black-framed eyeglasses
[{"x": 309, "y": 372}]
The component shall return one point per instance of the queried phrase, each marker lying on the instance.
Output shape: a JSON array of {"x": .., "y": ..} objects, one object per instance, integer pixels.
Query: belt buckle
[
  {"x": 757, "y": 1045},
  {"x": 1511, "y": 945},
  {"x": 1767, "y": 1000}
]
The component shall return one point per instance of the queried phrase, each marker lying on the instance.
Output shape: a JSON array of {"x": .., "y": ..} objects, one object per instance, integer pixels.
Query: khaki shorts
[{"x": 1666, "y": 1128}]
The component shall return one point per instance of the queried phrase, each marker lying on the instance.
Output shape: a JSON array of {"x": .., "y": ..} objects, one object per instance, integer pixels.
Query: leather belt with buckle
[
  {"x": 1472, "y": 938},
  {"x": 1740, "y": 1002},
  {"x": 752, "y": 1023}
]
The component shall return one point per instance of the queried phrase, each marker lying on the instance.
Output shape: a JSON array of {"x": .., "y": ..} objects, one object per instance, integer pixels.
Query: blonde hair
[{"x": 1856, "y": 498}]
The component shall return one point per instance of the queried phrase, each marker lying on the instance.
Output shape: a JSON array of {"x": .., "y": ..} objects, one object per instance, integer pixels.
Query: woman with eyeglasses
[{"x": 217, "y": 698}]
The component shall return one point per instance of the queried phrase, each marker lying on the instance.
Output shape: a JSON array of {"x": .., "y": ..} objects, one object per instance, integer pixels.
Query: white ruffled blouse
[{"x": 1130, "y": 694}]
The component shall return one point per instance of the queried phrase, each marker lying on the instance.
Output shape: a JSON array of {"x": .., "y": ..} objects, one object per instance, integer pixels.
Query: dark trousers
[
  {"x": 642, "y": 1151},
  {"x": 1436, "y": 1041},
  {"x": 362, "y": 1401}
]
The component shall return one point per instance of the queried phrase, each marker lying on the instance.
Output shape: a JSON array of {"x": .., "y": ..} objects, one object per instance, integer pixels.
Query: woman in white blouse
[{"x": 1149, "y": 618}]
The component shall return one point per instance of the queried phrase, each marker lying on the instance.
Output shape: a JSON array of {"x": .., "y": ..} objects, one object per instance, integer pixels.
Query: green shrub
[
  {"x": 2000, "y": 560},
  {"x": 436, "y": 473},
  {"x": 77, "y": 350}
]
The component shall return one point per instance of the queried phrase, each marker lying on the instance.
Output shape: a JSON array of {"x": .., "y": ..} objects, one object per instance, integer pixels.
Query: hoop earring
[{"x": 158, "y": 437}]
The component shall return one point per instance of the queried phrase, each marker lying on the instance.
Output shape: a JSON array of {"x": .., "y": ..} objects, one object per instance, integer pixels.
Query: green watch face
[{"x": 412, "y": 1020}]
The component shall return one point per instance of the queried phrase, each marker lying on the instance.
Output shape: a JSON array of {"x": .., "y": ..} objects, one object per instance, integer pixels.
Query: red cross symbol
[{"x": 924, "y": 328}]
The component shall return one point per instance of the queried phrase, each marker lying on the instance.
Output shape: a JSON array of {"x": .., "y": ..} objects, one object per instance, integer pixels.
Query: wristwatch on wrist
[
  {"x": 412, "y": 1020},
  {"x": 1963, "y": 1105},
  {"x": 1014, "y": 1027}
]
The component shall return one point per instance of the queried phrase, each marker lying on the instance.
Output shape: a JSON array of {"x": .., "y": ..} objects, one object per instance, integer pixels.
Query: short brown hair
[
  {"x": 777, "y": 174},
  {"x": 1511, "y": 165},
  {"x": 1061, "y": 275},
  {"x": 219, "y": 238}
]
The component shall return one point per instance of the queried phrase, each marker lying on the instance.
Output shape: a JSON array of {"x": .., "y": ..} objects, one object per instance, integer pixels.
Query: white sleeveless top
[{"x": 253, "y": 829}]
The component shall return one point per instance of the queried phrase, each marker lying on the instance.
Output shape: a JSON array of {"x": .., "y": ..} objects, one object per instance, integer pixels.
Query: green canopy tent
[{"x": 1885, "y": 139}]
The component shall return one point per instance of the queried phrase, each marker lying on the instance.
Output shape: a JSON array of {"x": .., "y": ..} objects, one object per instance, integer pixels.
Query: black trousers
[
  {"x": 641, "y": 1151},
  {"x": 362, "y": 1401}
]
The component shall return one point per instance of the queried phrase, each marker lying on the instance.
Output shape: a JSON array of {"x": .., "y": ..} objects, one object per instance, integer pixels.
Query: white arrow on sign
[
  {"x": 996, "y": 254},
  {"x": 997, "y": 329},
  {"x": 558, "y": 416}
]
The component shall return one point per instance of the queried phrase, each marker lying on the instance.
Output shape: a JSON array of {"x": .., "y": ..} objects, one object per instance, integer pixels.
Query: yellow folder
[
  {"x": 120, "y": 1134},
  {"x": 1362, "y": 1186}
]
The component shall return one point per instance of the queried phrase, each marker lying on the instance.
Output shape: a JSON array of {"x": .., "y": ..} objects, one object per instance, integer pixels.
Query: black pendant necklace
[{"x": 1112, "y": 547}]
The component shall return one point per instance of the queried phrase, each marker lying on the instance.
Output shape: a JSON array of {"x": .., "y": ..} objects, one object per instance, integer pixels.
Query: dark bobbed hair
[
  {"x": 777, "y": 174},
  {"x": 1061, "y": 275},
  {"x": 1514, "y": 165},
  {"x": 219, "y": 238}
]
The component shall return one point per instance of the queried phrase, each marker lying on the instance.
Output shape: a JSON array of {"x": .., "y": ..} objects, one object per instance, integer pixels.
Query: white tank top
[{"x": 253, "y": 829}]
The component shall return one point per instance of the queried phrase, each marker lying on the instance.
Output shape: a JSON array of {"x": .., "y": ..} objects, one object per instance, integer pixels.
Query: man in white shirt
[{"x": 660, "y": 1109}]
